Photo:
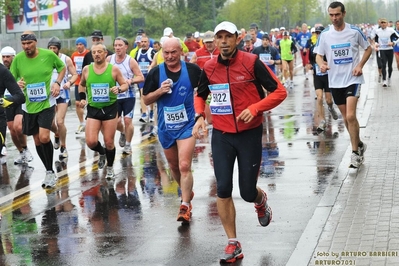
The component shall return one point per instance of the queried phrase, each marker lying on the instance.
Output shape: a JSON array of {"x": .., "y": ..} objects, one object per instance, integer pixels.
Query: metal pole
[
  {"x": 115, "y": 21},
  {"x": 214, "y": 13},
  {"x": 38, "y": 18}
]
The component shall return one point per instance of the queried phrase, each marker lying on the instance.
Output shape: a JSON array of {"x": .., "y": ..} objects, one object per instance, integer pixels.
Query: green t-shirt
[
  {"x": 285, "y": 47},
  {"x": 37, "y": 73},
  {"x": 99, "y": 86}
]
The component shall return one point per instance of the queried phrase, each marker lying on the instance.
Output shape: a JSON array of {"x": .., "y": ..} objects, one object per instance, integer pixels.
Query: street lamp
[{"x": 115, "y": 20}]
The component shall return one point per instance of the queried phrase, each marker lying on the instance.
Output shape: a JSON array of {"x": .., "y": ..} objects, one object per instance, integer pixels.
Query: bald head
[
  {"x": 172, "y": 51},
  {"x": 172, "y": 42}
]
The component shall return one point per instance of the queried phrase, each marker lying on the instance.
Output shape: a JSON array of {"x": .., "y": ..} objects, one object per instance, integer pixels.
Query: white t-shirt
[
  {"x": 384, "y": 37},
  {"x": 341, "y": 49}
]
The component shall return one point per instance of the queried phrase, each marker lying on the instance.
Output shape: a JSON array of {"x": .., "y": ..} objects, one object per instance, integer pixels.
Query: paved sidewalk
[{"x": 357, "y": 220}]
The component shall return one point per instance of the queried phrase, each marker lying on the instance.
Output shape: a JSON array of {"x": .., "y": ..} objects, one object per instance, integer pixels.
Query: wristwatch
[
  {"x": 59, "y": 84},
  {"x": 119, "y": 90},
  {"x": 197, "y": 116}
]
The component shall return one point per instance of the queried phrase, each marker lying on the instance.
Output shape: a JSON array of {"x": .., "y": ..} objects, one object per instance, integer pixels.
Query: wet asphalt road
[{"x": 132, "y": 221}]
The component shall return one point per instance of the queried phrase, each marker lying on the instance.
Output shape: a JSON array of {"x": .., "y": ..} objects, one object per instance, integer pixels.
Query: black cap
[
  {"x": 97, "y": 34},
  {"x": 266, "y": 36},
  {"x": 286, "y": 33},
  {"x": 140, "y": 31},
  {"x": 188, "y": 35},
  {"x": 319, "y": 29}
]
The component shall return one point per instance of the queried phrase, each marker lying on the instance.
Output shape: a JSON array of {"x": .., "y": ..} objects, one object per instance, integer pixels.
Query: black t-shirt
[{"x": 152, "y": 81}]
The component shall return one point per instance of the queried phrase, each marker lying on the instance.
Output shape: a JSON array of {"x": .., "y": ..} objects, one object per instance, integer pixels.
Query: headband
[{"x": 28, "y": 37}]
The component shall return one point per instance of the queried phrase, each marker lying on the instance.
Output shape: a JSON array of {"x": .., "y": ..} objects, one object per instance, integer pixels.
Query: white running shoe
[
  {"x": 127, "y": 149},
  {"x": 384, "y": 84},
  {"x": 356, "y": 160},
  {"x": 20, "y": 159},
  {"x": 81, "y": 129},
  {"x": 110, "y": 172},
  {"x": 50, "y": 180},
  {"x": 63, "y": 153},
  {"x": 28, "y": 155}
]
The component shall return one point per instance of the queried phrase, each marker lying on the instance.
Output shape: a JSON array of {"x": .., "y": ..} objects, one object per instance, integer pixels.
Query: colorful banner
[{"x": 53, "y": 14}]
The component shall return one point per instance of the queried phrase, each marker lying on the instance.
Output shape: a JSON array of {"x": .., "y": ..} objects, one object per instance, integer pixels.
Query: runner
[
  {"x": 100, "y": 80},
  {"x": 237, "y": 127},
  {"x": 172, "y": 85},
  {"x": 14, "y": 115},
  {"x": 63, "y": 98},
  {"x": 40, "y": 97},
  {"x": 126, "y": 100},
  {"x": 77, "y": 59},
  {"x": 340, "y": 44}
]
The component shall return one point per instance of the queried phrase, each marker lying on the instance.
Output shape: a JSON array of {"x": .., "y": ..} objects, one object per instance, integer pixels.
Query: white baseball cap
[
  {"x": 7, "y": 50},
  {"x": 226, "y": 26},
  {"x": 167, "y": 31}
]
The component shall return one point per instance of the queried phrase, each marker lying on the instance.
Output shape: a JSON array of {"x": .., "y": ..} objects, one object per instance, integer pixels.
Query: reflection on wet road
[{"x": 88, "y": 220}]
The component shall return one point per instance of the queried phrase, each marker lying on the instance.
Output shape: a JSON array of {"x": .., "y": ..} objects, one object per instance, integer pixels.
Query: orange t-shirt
[{"x": 77, "y": 59}]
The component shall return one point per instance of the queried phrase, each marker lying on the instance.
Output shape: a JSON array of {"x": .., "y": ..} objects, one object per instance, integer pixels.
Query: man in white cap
[{"x": 235, "y": 80}]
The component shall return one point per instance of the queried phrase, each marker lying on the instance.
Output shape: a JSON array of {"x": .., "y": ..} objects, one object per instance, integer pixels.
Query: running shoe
[
  {"x": 110, "y": 172},
  {"x": 28, "y": 155},
  {"x": 191, "y": 198},
  {"x": 184, "y": 215},
  {"x": 154, "y": 131},
  {"x": 50, "y": 180},
  {"x": 143, "y": 118},
  {"x": 127, "y": 149},
  {"x": 333, "y": 112},
  {"x": 20, "y": 159},
  {"x": 56, "y": 143},
  {"x": 356, "y": 160},
  {"x": 122, "y": 140},
  {"x": 81, "y": 129},
  {"x": 322, "y": 125},
  {"x": 264, "y": 211},
  {"x": 362, "y": 148},
  {"x": 101, "y": 161},
  {"x": 379, "y": 78},
  {"x": 384, "y": 84},
  {"x": 151, "y": 116},
  {"x": 232, "y": 252},
  {"x": 389, "y": 82},
  {"x": 63, "y": 153}
]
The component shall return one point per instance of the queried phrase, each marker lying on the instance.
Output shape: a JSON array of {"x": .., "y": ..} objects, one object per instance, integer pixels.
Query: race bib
[
  {"x": 265, "y": 58},
  {"x": 36, "y": 92},
  {"x": 100, "y": 92},
  {"x": 175, "y": 117},
  {"x": 384, "y": 42},
  {"x": 220, "y": 103},
  {"x": 144, "y": 67},
  {"x": 78, "y": 64},
  {"x": 342, "y": 53},
  {"x": 190, "y": 55}
]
